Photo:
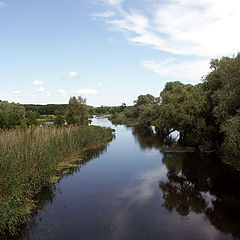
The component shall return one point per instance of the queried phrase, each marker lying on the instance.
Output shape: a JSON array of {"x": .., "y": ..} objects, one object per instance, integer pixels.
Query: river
[{"x": 131, "y": 190}]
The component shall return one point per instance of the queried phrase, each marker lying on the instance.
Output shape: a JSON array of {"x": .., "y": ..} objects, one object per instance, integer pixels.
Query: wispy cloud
[
  {"x": 186, "y": 71},
  {"x": 2, "y": 4},
  {"x": 113, "y": 2},
  {"x": 87, "y": 91},
  {"x": 107, "y": 14},
  {"x": 72, "y": 75},
  {"x": 37, "y": 82},
  {"x": 200, "y": 28}
]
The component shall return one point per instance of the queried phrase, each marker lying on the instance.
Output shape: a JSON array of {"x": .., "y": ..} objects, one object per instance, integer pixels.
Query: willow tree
[
  {"x": 77, "y": 111},
  {"x": 223, "y": 87},
  {"x": 182, "y": 108}
]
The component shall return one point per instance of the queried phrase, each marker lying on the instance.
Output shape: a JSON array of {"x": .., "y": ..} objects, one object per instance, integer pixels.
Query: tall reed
[{"x": 28, "y": 159}]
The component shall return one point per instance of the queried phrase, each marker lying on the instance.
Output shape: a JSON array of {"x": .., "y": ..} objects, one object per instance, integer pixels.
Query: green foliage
[
  {"x": 142, "y": 113},
  {"x": 223, "y": 87},
  {"x": 223, "y": 83},
  {"x": 231, "y": 129},
  {"x": 59, "y": 119},
  {"x": 47, "y": 109},
  {"x": 31, "y": 118},
  {"x": 120, "y": 118},
  {"x": 107, "y": 109},
  {"x": 30, "y": 158},
  {"x": 144, "y": 100},
  {"x": 148, "y": 114},
  {"x": 182, "y": 108},
  {"x": 77, "y": 111},
  {"x": 11, "y": 115}
]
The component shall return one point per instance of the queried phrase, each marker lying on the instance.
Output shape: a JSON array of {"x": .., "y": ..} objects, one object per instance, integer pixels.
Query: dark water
[{"x": 133, "y": 191}]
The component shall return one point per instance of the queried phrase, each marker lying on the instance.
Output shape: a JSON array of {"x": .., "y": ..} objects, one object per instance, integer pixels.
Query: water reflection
[
  {"x": 144, "y": 190},
  {"x": 148, "y": 140},
  {"x": 205, "y": 186}
]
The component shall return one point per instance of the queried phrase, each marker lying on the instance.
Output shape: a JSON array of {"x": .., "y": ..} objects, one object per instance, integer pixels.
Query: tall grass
[{"x": 28, "y": 159}]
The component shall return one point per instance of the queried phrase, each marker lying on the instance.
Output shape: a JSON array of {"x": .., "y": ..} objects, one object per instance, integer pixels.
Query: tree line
[
  {"x": 75, "y": 112},
  {"x": 50, "y": 109},
  {"x": 206, "y": 115},
  {"x": 14, "y": 115}
]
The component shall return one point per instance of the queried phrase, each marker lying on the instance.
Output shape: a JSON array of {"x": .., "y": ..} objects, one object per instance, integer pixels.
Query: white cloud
[
  {"x": 16, "y": 92},
  {"x": 2, "y": 4},
  {"x": 190, "y": 27},
  {"x": 145, "y": 190},
  {"x": 62, "y": 92},
  {"x": 72, "y": 75},
  {"x": 37, "y": 82},
  {"x": 114, "y": 2},
  {"x": 187, "y": 71},
  {"x": 106, "y": 14},
  {"x": 132, "y": 23},
  {"x": 87, "y": 91},
  {"x": 41, "y": 89}
]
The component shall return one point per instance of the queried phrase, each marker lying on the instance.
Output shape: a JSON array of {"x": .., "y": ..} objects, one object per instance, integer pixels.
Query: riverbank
[
  {"x": 121, "y": 119},
  {"x": 35, "y": 158}
]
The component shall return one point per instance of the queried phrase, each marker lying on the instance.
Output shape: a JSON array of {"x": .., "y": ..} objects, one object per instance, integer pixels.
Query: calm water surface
[{"x": 130, "y": 190}]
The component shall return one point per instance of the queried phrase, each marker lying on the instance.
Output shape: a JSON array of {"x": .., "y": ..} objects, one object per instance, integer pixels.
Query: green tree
[
  {"x": 231, "y": 144},
  {"x": 223, "y": 88},
  {"x": 142, "y": 102},
  {"x": 31, "y": 118},
  {"x": 183, "y": 108},
  {"x": 122, "y": 107},
  {"x": 11, "y": 115},
  {"x": 59, "y": 119},
  {"x": 223, "y": 84},
  {"x": 77, "y": 111}
]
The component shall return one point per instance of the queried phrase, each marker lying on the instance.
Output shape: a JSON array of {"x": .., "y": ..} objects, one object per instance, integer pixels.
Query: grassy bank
[
  {"x": 32, "y": 159},
  {"x": 122, "y": 119}
]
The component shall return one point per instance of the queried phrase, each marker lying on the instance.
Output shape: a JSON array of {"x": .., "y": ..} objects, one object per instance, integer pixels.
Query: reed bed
[{"x": 30, "y": 158}]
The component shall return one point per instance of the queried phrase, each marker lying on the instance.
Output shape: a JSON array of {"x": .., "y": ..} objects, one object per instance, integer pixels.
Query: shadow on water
[
  {"x": 203, "y": 185},
  {"x": 47, "y": 195}
]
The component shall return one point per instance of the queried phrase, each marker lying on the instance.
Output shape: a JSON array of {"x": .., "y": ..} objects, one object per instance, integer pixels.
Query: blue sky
[{"x": 109, "y": 51}]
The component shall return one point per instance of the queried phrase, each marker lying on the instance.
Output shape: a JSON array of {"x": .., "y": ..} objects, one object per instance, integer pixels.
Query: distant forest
[{"x": 52, "y": 108}]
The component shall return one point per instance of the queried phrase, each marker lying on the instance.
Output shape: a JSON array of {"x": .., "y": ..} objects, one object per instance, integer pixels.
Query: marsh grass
[{"x": 34, "y": 158}]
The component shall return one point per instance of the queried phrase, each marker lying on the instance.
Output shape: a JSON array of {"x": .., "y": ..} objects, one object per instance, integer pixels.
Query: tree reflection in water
[
  {"x": 148, "y": 140},
  {"x": 203, "y": 185},
  {"x": 199, "y": 184}
]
